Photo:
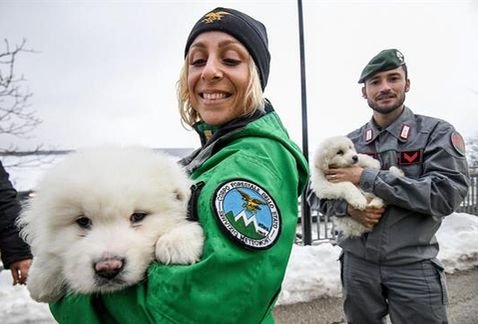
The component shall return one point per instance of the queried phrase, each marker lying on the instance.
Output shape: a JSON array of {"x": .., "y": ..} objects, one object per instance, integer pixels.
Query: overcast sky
[{"x": 105, "y": 71}]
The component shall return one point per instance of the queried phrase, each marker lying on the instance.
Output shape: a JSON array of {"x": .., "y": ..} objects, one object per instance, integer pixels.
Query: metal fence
[
  {"x": 470, "y": 204},
  {"x": 323, "y": 229}
]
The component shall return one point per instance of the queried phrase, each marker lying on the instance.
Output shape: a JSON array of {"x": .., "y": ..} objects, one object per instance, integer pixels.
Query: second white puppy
[
  {"x": 339, "y": 151},
  {"x": 101, "y": 216}
]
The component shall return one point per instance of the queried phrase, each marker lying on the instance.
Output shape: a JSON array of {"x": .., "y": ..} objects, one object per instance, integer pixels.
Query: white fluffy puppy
[
  {"x": 339, "y": 151},
  {"x": 101, "y": 216}
]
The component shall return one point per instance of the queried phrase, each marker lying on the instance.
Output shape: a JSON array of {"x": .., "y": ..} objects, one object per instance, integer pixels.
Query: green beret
[{"x": 388, "y": 59}]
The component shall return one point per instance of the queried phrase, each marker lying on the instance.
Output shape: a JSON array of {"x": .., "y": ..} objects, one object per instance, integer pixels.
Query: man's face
[{"x": 385, "y": 91}]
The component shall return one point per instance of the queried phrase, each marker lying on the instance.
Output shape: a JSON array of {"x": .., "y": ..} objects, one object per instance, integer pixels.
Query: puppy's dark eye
[
  {"x": 340, "y": 152},
  {"x": 138, "y": 216},
  {"x": 84, "y": 222}
]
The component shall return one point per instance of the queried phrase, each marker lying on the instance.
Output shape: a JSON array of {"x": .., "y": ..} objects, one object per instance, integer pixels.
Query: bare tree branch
[
  {"x": 30, "y": 158},
  {"x": 16, "y": 116}
]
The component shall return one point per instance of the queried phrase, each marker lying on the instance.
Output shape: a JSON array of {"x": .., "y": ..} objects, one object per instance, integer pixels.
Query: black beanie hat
[{"x": 250, "y": 32}]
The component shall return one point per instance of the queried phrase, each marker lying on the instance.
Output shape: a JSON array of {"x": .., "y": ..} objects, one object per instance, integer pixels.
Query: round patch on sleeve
[
  {"x": 247, "y": 213},
  {"x": 458, "y": 143}
]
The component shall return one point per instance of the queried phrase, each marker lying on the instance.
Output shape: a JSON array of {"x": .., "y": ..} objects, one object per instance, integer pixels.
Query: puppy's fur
[
  {"x": 339, "y": 151},
  {"x": 101, "y": 216}
]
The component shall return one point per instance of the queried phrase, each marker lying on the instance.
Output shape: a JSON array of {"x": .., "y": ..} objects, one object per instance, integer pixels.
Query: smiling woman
[
  {"x": 247, "y": 177},
  {"x": 217, "y": 77},
  {"x": 232, "y": 66}
]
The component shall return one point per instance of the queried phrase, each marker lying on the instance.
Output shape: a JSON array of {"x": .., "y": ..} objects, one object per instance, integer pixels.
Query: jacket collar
[
  {"x": 212, "y": 137},
  {"x": 209, "y": 133},
  {"x": 402, "y": 128}
]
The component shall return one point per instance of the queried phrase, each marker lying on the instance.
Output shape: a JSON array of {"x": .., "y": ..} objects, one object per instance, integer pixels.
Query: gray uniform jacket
[{"x": 431, "y": 153}]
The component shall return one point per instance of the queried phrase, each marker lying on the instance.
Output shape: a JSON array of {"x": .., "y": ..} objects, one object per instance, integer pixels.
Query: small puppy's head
[
  {"x": 101, "y": 211},
  {"x": 337, "y": 151}
]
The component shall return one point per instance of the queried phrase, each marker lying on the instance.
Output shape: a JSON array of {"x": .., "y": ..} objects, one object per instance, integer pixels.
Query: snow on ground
[{"x": 313, "y": 272}]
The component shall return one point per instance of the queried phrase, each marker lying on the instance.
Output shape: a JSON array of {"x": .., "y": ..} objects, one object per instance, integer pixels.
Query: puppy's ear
[
  {"x": 321, "y": 160},
  {"x": 324, "y": 164}
]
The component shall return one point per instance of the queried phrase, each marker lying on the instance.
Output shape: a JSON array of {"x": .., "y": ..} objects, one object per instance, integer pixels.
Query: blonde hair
[{"x": 253, "y": 98}]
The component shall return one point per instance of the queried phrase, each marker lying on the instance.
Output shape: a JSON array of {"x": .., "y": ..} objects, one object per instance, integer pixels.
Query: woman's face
[{"x": 218, "y": 75}]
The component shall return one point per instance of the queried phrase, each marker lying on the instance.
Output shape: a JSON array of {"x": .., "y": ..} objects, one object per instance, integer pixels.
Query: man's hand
[
  {"x": 351, "y": 174},
  {"x": 19, "y": 271},
  {"x": 368, "y": 217}
]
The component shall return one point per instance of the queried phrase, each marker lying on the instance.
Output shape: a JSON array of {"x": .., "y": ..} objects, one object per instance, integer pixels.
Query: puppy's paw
[
  {"x": 42, "y": 294},
  {"x": 182, "y": 245},
  {"x": 396, "y": 171},
  {"x": 44, "y": 287},
  {"x": 376, "y": 202},
  {"x": 366, "y": 161},
  {"x": 358, "y": 202},
  {"x": 349, "y": 227}
]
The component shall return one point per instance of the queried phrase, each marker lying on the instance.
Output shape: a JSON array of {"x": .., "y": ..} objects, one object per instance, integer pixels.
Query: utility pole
[{"x": 305, "y": 210}]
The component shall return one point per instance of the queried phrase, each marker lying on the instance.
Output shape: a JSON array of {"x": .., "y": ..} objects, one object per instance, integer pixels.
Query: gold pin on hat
[{"x": 214, "y": 16}]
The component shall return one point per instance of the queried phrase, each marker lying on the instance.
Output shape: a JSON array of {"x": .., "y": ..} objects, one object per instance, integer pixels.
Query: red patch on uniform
[
  {"x": 410, "y": 157},
  {"x": 458, "y": 143}
]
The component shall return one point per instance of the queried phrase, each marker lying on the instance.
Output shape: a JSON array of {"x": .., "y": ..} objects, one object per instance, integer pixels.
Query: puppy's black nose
[
  {"x": 355, "y": 158},
  {"x": 109, "y": 268}
]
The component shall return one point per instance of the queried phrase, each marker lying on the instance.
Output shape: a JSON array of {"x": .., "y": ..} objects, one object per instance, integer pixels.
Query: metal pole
[{"x": 305, "y": 210}]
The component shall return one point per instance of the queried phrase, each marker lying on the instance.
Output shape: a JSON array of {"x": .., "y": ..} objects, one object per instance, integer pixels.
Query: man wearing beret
[{"x": 393, "y": 270}]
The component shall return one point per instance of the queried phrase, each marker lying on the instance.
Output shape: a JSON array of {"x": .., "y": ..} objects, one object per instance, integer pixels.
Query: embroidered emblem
[
  {"x": 368, "y": 135},
  {"x": 247, "y": 213},
  {"x": 405, "y": 132},
  {"x": 214, "y": 16},
  {"x": 458, "y": 143},
  {"x": 410, "y": 157}
]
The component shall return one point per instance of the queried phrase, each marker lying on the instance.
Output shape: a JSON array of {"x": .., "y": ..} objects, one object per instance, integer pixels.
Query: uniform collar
[{"x": 401, "y": 128}]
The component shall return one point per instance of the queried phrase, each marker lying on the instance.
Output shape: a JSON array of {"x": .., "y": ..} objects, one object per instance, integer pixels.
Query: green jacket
[{"x": 239, "y": 276}]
